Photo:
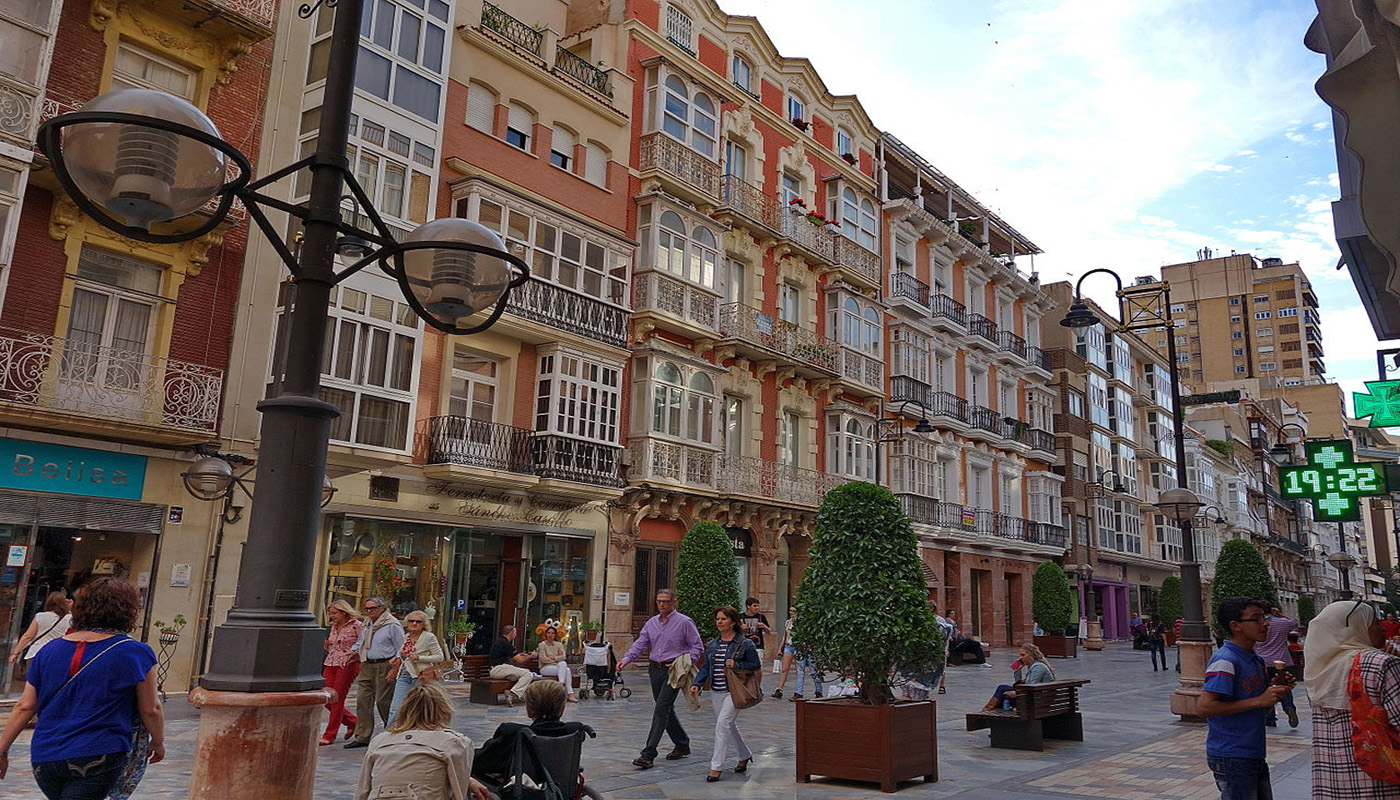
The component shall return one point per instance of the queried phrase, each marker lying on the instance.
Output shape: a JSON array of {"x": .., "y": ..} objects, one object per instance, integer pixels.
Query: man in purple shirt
[
  {"x": 666, "y": 636},
  {"x": 1274, "y": 649}
]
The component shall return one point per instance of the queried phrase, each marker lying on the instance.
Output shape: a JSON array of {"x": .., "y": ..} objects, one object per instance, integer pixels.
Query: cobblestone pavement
[{"x": 1133, "y": 749}]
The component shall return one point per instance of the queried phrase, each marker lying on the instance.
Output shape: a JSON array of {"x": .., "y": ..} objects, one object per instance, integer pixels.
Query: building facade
[{"x": 117, "y": 353}]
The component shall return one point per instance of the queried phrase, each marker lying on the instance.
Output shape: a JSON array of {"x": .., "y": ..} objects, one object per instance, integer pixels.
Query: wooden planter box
[
  {"x": 844, "y": 738},
  {"x": 1170, "y": 636},
  {"x": 1062, "y": 646}
]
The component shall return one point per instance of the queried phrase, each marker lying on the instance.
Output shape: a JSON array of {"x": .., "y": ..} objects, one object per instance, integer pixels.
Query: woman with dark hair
[
  {"x": 47, "y": 625},
  {"x": 553, "y": 663},
  {"x": 729, "y": 650},
  {"x": 89, "y": 688}
]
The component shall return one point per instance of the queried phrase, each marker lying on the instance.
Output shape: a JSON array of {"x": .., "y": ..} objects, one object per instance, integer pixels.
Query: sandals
[
  {"x": 325, "y": 742},
  {"x": 943, "y": 690},
  {"x": 743, "y": 766}
]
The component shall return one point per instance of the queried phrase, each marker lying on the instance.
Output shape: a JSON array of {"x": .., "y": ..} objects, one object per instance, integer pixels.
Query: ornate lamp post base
[
  {"x": 1094, "y": 639},
  {"x": 1193, "y": 674},
  {"x": 256, "y": 745}
]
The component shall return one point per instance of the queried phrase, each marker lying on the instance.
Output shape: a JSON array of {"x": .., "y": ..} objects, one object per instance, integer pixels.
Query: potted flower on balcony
[
  {"x": 800, "y": 124},
  {"x": 865, "y": 547},
  {"x": 1050, "y": 608},
  {"x": 850, "y": 158},
  {"x": 591, "y": 628},
  {"x": 170, "y": 633}
]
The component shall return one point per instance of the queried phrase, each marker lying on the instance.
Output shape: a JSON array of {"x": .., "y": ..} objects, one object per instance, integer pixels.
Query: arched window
[
  {"x": 796, "y": 106},
  {"x": 692, "y": 119},
  {"x": 481, "y": 108},
  {"x": 851, "y": 446},
  {"x": 681, "y": 406},
  {"x": 670, "y": 255},
  {"x": 704, "y": 255},
  {"x": 858, "y": 219},
  {"x": 700, "y": 409},
  {"x": 860, "y": 325},
  {"x": 871, "y": 343},
  {"x": 844, "y": 144},
  {"x": 666, "y": 399},
  {"x": 520, "y": 125},
  {"x": 705, "y": 136},
  {"x": 675, "y": 119},
  {"x": 692, "y": 255},
  {"x": 743, "y": 73},
  {"x": 595, "y": 166}
]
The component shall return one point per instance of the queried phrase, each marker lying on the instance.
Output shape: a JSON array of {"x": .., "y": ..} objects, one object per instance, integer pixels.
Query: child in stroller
[{"x": 600, "y": 665}]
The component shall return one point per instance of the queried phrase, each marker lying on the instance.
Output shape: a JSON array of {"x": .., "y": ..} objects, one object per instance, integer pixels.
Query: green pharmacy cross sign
[
  {"x": 1332, "y": 481},
  {"x": 1380, "y": 402}
]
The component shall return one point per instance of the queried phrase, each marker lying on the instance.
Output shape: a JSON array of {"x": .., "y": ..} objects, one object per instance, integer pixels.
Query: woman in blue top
[
  {"x": 89, "y": 688},
  {"x": 1033, "y": 669},
  {"x": 729, "y": 649}
]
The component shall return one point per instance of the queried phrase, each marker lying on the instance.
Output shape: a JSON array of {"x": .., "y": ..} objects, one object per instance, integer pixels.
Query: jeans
[
  {"x": 1287, "y": 701},
  {"x": 726, "y": 730},
  {"x": 339, "y": 679},
  {"x": 803, "y": 666},
  {"x": 1241, "y": 778},
  {"x": 86, "y": 778},
  {"x": 401, "y": 686},
  {"x": 1000, "y": 694},
  {"x": 1157, "y": 647},
  {"x": 663, "y": 716}
]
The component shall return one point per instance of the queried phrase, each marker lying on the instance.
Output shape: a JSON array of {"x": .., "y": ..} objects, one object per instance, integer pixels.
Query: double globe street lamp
[{"x": 153, "y": 168}]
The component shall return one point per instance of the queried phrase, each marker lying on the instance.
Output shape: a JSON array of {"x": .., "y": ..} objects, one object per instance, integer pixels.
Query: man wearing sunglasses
[
  {"x": 380, "y": 642},
  {"x": 1235, "y": 700}
]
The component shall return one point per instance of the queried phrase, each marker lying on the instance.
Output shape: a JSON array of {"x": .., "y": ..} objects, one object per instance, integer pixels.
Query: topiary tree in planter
[
  {"x": 1051, "y": 601},
  {"x": 1169, "y": 603},
  {"x": 1307, "y": 609},
  {"x": 707, "y": 576},
  {"x": 1241, "y": 572},
  {"x": 862, "y": 608}
]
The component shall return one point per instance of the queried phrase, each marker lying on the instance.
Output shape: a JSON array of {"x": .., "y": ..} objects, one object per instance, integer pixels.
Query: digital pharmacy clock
[{"x": 1332, "y": 482}]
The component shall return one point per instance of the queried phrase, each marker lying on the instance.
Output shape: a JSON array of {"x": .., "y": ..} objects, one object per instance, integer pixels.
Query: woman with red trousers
[{"x": 342, "y": 666}]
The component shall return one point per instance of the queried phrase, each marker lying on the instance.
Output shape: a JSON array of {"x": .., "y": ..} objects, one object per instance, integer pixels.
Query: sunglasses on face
[{"x": 373, "y": 608}]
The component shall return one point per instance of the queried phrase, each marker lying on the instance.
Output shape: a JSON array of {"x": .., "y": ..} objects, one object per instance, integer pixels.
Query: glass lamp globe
[
  {"x": 1342, "y": 560},
  {"x": 452, "y": 284},
  {"x": 209, "y": 478},
  {"x": 141, "y": 174},
  {"x": 1179, "y": 504},
  {"x": 328, "y": 491}
]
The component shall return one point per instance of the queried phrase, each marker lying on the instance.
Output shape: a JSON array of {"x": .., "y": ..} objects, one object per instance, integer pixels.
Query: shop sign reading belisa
[{"x": 39, "y": 467}]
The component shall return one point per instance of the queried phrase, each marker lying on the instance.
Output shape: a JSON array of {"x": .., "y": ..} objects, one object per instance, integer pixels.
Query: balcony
[
  {"x": 564, "y": 458},
  {"x": 525, "y": 37},
  {"x": 20, "y": 104},
  {"x": 979, "y": 325},
  {"x": 1285, "y": 543},
  {"x": 1011, "y": 344},
  {"x": 857, "y": 265},
  {"x": 943, "y": 405},
  {"x": 1038, "y": 359},
  {"x": 746, "y": 476},
  {"x": 948, "y": 313},
  {"x": 684, "y": 308},
  {"x": 565, "y": 310},
  {"x": 686, "y": 173},
  {"x": 766, "y": 338},
  {"x": 656, "y": 460},
  {"x": 981, "y": 522},
  {"x": 742, "y": 203},
  {"x": 451, "y": 442},
  {"x": 862, "y": 372},
  {"x": 592, "y": 77},
  {"x": 812, "y": 241},
  {"x": 86, "y": 388},
  {"x": 907, "y": 290},
  {"x": 1044, "y": 441},
  {"x": 985, "y": 419}
]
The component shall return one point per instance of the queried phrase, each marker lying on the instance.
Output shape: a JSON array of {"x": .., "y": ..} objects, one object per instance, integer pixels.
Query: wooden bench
[
  {"x": 486, "y": 690},
  {"x": 1043, "y": 711}
]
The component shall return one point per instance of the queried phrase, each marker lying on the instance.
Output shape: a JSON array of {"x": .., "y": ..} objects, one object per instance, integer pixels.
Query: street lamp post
[
  {"x": 1344, "y": 562},
  {"x": 143, "y": 163},
  {"x": 891, "y": 429},
  {"x": 1093, "y": 639},
  {"x": 1149, "y": 307}
]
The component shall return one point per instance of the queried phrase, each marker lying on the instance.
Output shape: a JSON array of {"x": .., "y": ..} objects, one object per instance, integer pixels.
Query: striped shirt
[
  {"x": 1236, "y": 674},
  {"x": 719, "y": 681}
]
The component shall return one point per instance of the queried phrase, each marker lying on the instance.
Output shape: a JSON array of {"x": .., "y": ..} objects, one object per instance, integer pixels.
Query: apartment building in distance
[
  {"x": 116, "y": 354},
  {"x": 1241, "y": 317}
]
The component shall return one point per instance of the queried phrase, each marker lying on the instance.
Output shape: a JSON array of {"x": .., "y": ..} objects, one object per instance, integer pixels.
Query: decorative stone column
[
  {"x": 255, "y": 746},
  {"x": 1194, "y": 656}
]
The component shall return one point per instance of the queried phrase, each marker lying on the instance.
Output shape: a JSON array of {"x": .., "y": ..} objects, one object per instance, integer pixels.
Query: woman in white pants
[
  {"x": 552, "y": 664},
  {"x": 732, "y": 650}
]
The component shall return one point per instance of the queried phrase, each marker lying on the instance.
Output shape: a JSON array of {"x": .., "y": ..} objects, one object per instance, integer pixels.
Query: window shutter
[
  {"x": 521, "y": 120},
  {"x": 481, "y": 108},
  {"x": 563, "y": 142},
  {"x": 596, "y": 165}
]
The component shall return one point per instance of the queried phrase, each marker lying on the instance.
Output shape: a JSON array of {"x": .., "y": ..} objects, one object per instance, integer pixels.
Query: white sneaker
[{"x": 986, "y": 665}]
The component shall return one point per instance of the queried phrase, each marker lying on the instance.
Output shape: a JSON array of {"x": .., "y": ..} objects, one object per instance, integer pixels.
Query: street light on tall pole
[
  {"x": 144, "y": 164},
  {"x": 1142, "y": 308}
]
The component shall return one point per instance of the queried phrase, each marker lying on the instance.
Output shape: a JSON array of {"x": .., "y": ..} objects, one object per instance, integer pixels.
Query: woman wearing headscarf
[{"x": 1353, "y": 685}]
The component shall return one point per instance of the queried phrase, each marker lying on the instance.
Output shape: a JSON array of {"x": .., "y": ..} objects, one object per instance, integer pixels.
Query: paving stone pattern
[{"x": 1133, "y": 749}]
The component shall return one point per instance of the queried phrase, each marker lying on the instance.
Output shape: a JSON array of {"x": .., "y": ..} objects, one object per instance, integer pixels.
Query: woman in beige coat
[
  {"x": 420, "y": 756},
  {"x": 421, "y": 650}
]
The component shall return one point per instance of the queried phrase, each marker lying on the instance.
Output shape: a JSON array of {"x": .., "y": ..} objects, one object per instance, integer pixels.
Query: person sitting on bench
[
  {"x": 544, "y": 705},
  {"x": 1030, "y": 668},
  {"x": 508, "y": 664}
]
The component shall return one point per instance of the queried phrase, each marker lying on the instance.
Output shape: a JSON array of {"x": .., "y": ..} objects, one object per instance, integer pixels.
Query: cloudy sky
[{"x": 1126, "y": 134}]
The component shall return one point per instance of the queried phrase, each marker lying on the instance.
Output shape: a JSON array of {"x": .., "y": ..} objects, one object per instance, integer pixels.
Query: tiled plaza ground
[{"x": 1133, "y": 749}]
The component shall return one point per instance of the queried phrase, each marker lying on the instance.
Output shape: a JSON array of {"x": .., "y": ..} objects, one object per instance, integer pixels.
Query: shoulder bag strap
[
  {"x": 90, "y": 662},
  {"x": 47, "y": 632}
]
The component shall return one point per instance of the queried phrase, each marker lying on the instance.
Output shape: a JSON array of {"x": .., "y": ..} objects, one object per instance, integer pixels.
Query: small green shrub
[
  {"x": 1307, "y": 609},
  {"x": 1169, "y": 604},
  {"x": 1240, "y": 571},
  {"x": 707, "y": 576},
  {"x": 1051, "y": 601}
]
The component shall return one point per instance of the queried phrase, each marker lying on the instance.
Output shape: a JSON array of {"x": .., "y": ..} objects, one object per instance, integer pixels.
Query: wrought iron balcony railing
[
  {"x": 862, "y": 369},
  {"x": 578, "y": 68},
  {"x": 511, "y": 29},
  {"x": 981, "y": 521},
  {"x": 476, "y": 443},
  {"x": 565, "y": 458},
  {"x": 654, "y": 291},
  {"x": 1011, "y": 343},
  {"x": 981, "y": 326},
  {"x": 654, "y": 459},
  {"x": 985, "y": 419},
  {"x": 815, "y": 239},
  {"x": 672, "y": 158},
  {"x": 751, "y": 202},
  {"x": 553, "y": 305},
  {"x": 738, "y": 321},
  {"x": 939, "y": 404},
  {"x": 902, "y": 284},
  {"x": 1037, "y": 357},
  {"x": 758, "y": 477},
  {"x": 108, "y": 383},
  {"x": 1041, "y": 440},
  {"x": 947, "y": 308},
  {"x": 855, "y": 258},
  {"x": 19, "y": 107}
]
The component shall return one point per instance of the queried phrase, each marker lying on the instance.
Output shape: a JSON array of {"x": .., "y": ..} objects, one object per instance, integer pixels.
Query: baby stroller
[{"x": 600, "y": 664}]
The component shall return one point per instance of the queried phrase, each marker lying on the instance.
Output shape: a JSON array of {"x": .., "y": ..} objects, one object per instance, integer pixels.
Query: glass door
[{"x": 16, "y": 549}]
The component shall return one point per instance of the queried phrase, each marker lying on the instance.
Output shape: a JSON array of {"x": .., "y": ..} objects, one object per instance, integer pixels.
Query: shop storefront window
[
  {"x": 559, "y": 586},
  {"x": 402, "y": 562}
]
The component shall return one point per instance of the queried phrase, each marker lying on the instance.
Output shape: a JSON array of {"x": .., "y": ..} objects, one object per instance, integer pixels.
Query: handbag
[
  {"x": 522, "y": 785},
  {"x": 1376, "y": 744},
  {"x": 434, "y": 673},
  {"x": 745, "y": 686}
]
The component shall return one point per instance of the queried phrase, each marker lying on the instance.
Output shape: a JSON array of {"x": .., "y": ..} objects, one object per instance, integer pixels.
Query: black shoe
[
  {"x": 355, "y": 744},
  {"x": 777, "y": 694},
  {"x": 678, "y": 753},
  {"x": 711, "y": 777},
  {"x": 644, "y": 762},
  {"x": 744, "y": 765},
  {"x": 1271, "y": 723},
  {"x": 796, "y": 696},
  {"x": 1292, "y": 717}
]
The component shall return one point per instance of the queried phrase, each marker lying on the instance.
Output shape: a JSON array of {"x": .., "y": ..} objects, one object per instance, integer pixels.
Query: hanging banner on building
[{"x": 741, "y": 539}]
